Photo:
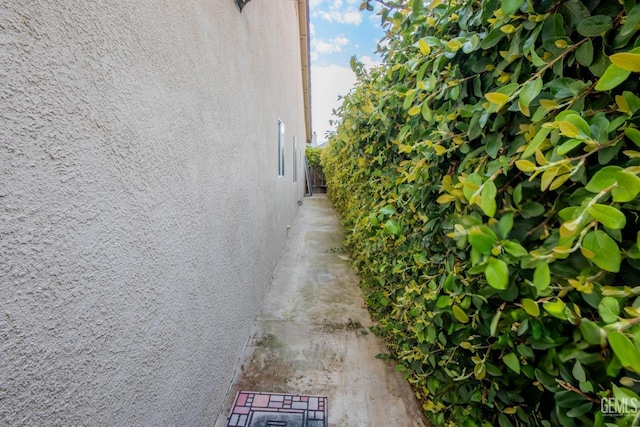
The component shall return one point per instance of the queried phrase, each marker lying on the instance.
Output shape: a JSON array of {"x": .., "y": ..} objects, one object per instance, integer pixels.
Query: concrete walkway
[{"x": 312, "y": 335}]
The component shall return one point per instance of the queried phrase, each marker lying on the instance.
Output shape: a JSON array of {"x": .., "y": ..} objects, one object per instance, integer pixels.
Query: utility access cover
[{"x": 257, "y": 409}]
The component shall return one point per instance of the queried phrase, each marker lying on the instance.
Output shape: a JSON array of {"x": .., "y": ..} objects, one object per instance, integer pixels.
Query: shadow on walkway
[{"x": 312, "y": 337}]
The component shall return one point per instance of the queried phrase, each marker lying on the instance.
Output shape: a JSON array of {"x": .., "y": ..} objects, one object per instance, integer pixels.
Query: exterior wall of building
[{"x": 141, "y": 212}]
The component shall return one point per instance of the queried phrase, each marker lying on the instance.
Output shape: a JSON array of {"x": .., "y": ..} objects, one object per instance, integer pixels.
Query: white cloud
[
  {"x": 334, "y": 15},
  {"x": 327, "y": 84},
  {"x": 369, "y": 62},
  {"x": 337, "y": 11},
  {"x": 312, "y": 29},
  {"x": 329, "y": 46}
]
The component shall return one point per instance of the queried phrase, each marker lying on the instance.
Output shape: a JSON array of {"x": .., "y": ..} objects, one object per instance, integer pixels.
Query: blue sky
[{"x": 338, "y": 32}]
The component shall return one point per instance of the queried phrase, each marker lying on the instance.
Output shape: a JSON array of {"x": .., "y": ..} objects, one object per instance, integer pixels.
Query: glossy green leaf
[
  {"x": 594, "y": 26},
  {"x": 591, "y": 332},
  {"x": 514, "y": 248},
  {"x": 391, "y": 227},
  {"x": 633, "y": 134},
  {"x": 482, "y": 239},
  {"x": 605, "y": 250},
  {"x": 603, "y": 179},
  {"x": 531, "y": 307},
  {"x": 584, "y": 53},
  {"x": 530, "y": 91},
  {"x": 609, "y": 309},
  {"x": 511, "y": 360},
  {"x": 578, "y": 122},
  {"x": 555, "y": 308},
  {"x": 488, "y": 199},
  {"x": 632, "y": 22},
  {"x": 612, "y": 77},
  {"x": 443, "y": 301},
  {"x": 532, "y": 210},
  {"x": 608, "y": 216},
  {"x": 505, "y": 224},
  {"x": 510, "y": 6},
  {"x": 568, "y": 146},
  {"x": 534, "y": 144},
  {"x": 580, "y": 410},
  {"x": 627, "y": 351},
  {"x": 493, "y": 328},
  {"x": 388, "y": 210},
  {"x": 627, "y": 188},
  {"x": 497, "y": 273},
  {"x": 542, "y": 276},
  {"x": 492, "y": 38},
  {"x": 460, "y": 315},
  {"x": 578, "y": 372}
]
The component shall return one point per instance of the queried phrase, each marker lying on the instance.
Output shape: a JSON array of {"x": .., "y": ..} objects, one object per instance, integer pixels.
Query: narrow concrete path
[{"x": 312, "y": 334}]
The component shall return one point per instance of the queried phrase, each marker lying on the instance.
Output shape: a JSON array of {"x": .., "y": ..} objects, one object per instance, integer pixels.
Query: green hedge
[{"x": 487, "y": 178}]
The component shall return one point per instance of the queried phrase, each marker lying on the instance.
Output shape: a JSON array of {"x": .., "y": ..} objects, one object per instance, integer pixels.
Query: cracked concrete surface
[{"x": 312, "y": 336}]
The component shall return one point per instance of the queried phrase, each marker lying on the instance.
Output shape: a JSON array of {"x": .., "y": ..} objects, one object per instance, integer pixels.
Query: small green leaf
[
  {"x": 505, "y": 224},
  {"x": 578, "y": 372},
  {"x": 493, "y": 328},
  {"x": 443, "y": 301},
  {"x": 482, "y": 239},
  {"x": 514, "y": 248},
  {"x": 568, "y": 146},
  {"x": 388, "y": 210},
  {"x": 590, "y": 331},
  {"x": 511, "y": 360},
  {"x": 604, "y": 178},
  {"x": 584, "y": 53},
  {"x": 510, "y": 6},
  {"x": 532, "y": 210},
  {"x": 460, "y": 315},
  {"x": 555, "y": 308},
  {"x": 631, "y": 23},
  {"x": 578, "y": 122},
  {"x": 517, "y": 193},
  {"x": 531, "y": 149},
  {"x": 497, "y": 273},
  {"x": 420, "y": 259},
  {"x": 628, "y": 187},
  {"x": 530, "y": 90},
  {"x": 391, "y": 227},
  {"x": 608, "y": 216},
  {"x": 542, "y": 276},
  {"x": 626, "y": 351},
  {"x": 594, "y": 25},
  {"x": 633, "y": 134},
  {"x": 606, "y": 253},
  {"x": 492, "y": 38},
  {"x": 488, "y": 199},
  {"x": 612, "y": 77},
  {"x": 580, "y": 410},
  {"x": 609, "y": 309},
  {"x": 531, "y": 307}
]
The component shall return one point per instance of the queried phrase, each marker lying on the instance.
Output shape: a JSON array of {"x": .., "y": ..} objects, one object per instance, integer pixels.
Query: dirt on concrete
[{"x": 312, "y": 335}]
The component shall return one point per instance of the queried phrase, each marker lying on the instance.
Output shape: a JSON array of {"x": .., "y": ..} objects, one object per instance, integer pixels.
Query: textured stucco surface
[{"x": 141, "y": 215}]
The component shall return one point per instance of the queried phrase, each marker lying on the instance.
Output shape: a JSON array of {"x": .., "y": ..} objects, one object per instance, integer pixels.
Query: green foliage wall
[
  {"x": 487, "y": 177},
  {"x": 313, "y": 156}
]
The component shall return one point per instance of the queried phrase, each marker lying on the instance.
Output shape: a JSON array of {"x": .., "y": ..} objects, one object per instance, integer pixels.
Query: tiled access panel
[{"x": 257, "y": 409}]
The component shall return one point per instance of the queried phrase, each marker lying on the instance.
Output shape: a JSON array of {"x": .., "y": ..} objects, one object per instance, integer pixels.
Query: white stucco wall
[{"x": 141, "y": 214}]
